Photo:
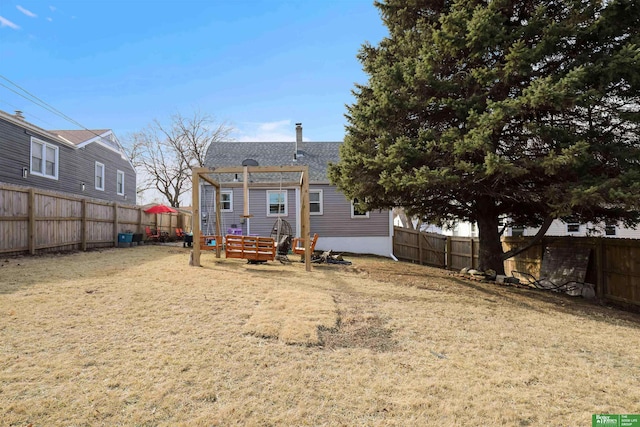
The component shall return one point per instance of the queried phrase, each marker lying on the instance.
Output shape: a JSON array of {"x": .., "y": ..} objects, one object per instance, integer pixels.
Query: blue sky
[{"x": 262, "y": 66}]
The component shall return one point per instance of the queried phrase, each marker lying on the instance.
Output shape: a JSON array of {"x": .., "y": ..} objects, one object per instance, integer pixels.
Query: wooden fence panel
[
  {"x": 14, "y": 209},
  {"x": 432, "y": 249},
  {"x": 163, "y": 222},
  {"x": 464, "y": 253},
  {"x": 528, "y": 262},
  {"x": 614, "y": 264},
  {"x": 100, "y": 227},
  {"x": 622, "y": 272},
  {"x": 128, "y": 219},
  {"x": 57, "y": 222},
  {"x": 33, "y": 221},
  {"x": 405, "y": 244}
]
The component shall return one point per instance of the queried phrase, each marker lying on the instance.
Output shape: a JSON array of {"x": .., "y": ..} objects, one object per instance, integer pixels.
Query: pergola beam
[{"x": 251, "y": 169}]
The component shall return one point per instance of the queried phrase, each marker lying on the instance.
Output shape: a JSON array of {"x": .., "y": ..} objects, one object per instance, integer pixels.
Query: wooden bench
[{"x": 256, "y": 249}]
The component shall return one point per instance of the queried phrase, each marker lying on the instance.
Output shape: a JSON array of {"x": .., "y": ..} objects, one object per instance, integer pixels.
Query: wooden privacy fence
[
  {"x": 613, "y": 267},
  {"x": 435, "y": 249},
  {"x": 614, "y": 264},
  {"x": 33, "y": 221}
]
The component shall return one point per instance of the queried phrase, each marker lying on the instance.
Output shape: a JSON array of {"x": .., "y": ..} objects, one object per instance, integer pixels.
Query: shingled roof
[
  {"x": 79, "y": 136},
  {"x": 316, "y": 155}
]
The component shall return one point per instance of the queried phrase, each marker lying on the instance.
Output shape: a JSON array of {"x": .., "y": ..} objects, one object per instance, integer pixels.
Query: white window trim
[
  {"x": 321, "y": 202},
  {"x": 45, "y": 145},
  {"x": 95, "y": 174},
  {"x": 353, "y": 214},
  {"x": 573, "y": 224},
  {"x": 230, "y": 193},
  {"x": 610, "y": 227},
  {"x": 286, "y": 194},
  {"x": 118, "y": 173}
]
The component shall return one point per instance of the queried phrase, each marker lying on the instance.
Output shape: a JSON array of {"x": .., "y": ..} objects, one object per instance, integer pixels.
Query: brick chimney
[{"x": 298, "y": 139}]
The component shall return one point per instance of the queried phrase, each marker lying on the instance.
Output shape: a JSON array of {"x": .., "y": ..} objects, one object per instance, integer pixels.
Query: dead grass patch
[
  {"x": 293, "y": 316},
  {"x": 137, "y": 337},
  {"x": 358, "y": 327}
]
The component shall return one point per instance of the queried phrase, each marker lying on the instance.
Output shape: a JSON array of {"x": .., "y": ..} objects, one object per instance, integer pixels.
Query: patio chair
[
  {"x": 152, "y": 234},
  {"x": 298, "y": 244},
  {"x": 180, "y": 233}
]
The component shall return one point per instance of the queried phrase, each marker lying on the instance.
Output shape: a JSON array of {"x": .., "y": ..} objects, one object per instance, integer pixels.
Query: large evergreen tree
[{"x": 474, "y": 110}]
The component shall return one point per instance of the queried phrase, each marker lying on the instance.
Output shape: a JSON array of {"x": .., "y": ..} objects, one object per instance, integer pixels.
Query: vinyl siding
[
  {"x": 113, "y": 162},
  {"x": 336, "y": 220},
  {"x": 207, "y": 206},
  {"x": 74, "y": 166},
  {"x": 13, "y": 155},
  {"x": 227, "y": 219},
  {"x": 15, "y": 146},
  {"x": 259, "y": 224}
]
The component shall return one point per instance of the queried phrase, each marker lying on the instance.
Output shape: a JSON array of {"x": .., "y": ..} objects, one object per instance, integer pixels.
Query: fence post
[
  {"x": 473, "y": 263},
  {"x": 83, "y": 226},
  {"x": 115, "y": 224},
  {"x": 32, "y": 221},
  {"x": 600, "y": 276},
  {"x": 448, "y": 252},
  {"x": 419, "y": 247}
]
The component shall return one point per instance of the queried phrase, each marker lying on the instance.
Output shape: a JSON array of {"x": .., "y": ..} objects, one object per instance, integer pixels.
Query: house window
[
  {"x": 99, "y": 176},
  {"x": 44, "y": 159},
  {"x": 120, "y": 183},
  {"x": 315, "y": 202},
  {"x": 610, "y": 230},
  {"x": 226, "y": 201},
  {"x": 357, "y": 211},
  {"x": 517, "y": 231},
  {"x": 276, "y": 203},
  {"x": 573, "y": 227}
]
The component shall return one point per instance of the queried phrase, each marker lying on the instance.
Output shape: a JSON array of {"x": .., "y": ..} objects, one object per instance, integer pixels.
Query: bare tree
[{"x": 165, "y": 154}]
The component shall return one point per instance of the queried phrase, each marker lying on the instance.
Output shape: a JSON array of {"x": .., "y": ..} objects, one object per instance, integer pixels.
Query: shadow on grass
[
  {"x": 496, "y": 293},
  {"x": 25, "y": 271},
  {"x": 560, "y": 302},
  {"x": 526, "y": 298}
]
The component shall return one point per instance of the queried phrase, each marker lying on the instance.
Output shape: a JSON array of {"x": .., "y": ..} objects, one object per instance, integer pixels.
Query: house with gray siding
[
  {"x": 88, "y": 163},
  {"x": 338, "y": 222}
]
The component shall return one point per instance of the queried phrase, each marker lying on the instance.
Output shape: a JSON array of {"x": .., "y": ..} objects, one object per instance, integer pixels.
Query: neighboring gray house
[
  {"x": 339, "y": 225},
  {"x": 89, "y": 163}
]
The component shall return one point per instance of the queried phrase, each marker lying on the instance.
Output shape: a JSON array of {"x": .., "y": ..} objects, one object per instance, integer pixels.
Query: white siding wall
[
  {"x": 382, "y": 246},
  {"x": 559, "y": 228}
]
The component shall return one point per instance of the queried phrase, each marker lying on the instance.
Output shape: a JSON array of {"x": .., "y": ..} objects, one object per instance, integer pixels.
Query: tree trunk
[
  {"x": 537, "y": 238},
  {"x": 490, "y": 248}
]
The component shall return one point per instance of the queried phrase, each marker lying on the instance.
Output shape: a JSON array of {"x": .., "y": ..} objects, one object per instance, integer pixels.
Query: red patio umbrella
[{"x": 160, "y": 209}]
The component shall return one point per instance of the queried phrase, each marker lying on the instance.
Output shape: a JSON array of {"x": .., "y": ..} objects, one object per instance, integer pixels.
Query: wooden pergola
[{"x": 205, "y": 175}]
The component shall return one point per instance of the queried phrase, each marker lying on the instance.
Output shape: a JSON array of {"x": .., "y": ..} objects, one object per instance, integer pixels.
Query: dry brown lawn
[{"x": 137, "y": 337}]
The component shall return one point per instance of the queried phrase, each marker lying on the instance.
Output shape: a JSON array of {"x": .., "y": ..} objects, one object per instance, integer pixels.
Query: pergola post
[
  {"x": 195, "y": 200},
  {"x": 305, "y": 228},
  {"x": 218, "y": 219}
]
